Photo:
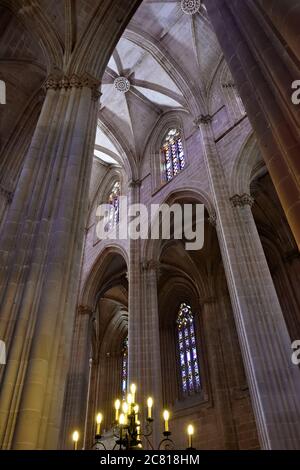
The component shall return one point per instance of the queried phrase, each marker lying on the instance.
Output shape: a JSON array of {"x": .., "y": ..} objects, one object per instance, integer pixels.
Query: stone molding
[
  {"x": 242, "y": 200},
  {"x": 57, "y": 82}
]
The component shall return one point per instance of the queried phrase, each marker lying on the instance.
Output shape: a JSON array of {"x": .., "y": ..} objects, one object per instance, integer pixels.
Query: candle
[
  {"x": 99, "y": 421},
  {"x": 190, "y": 431},
  {"x": 129, "y": 402},
  {"x": 117, "y": 408},
  {"x": 125, "y": 409},
  {"x": 122, "y": 419},
  {"x": 138, "y": 430},
  {"x": 121, "y": 423},
  {"x": 75, "y": 439},
  {"x": 166, "y": 419},
  {"x": 136, "y": 412},
  {"x": 133, "y": 392},
  {"x": 149, "y": 404}
]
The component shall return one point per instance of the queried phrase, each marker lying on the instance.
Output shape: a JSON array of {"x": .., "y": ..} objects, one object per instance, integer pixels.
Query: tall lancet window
[
  {"x": 124, "y": 368},
  {"x": 188, "y": 356},
  {"x": 114, "y": 202},
  {"x": 173, "y": 154}
]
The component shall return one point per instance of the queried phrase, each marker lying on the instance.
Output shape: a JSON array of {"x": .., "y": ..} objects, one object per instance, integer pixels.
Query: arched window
[
  {"x": 124, "y": 368},
  {"x": 188, "y": 356},
  {"x": 173, "y": 154},
  {"x": 114, "y": 202}
]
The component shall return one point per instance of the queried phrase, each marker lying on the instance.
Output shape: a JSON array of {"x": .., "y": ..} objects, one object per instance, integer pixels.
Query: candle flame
[
  {"x": 190, "y": 430},
  {"x": 150, "y": 402}
]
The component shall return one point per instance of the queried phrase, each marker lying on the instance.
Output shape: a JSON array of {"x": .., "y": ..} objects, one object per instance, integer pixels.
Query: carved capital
[
  {"x": 203, "y": 119},
  {"x": 213, "y": 219},
  {"x": 85, "y": 310},
  {"x": 151, "y": 265},
  {"x": 7, "y": 194},
  {"x": 134, "y": 184},
  {"x": 228, "y": 85},
  {"x": 242, "y": 200},
  {"x": 58, "y": 81}
]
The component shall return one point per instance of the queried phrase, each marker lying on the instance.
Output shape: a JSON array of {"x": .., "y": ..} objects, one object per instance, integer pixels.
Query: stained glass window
[
  {"x": 124, "y": 368},
  {"x": 188, "y": 356},
  {"x": 114, "y": 202},
  {"x": 173, "y": 154}
]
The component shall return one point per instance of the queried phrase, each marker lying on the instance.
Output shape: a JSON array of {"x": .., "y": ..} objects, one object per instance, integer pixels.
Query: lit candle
[
  {"x": 122, "y": 419},
  {"x": 133, "y": 392},
  {"x": 136, "y": 412},
  {"x": 75, "y": 439},
  {"x": 117, "y": 408},
  {"x": 125, "y": 408},
  {"x": 99, "y": 421},
  {"x": 149, "y": 404},
  {"x": 190, "y": 431},
  {"x": 166, "y": 418},
  {"x": 121, "y": 423},
  {"x": 138, "y": 430},
  {"x": 129, "y": 402}
]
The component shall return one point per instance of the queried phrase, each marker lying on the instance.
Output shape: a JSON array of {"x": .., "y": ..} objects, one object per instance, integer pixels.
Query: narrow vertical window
[
  {"x": 124, "y": 368},
  {"x": 114, "y": 202},
  {"x": 188, "y": 356},
  {"x": 173, "y": 154}
]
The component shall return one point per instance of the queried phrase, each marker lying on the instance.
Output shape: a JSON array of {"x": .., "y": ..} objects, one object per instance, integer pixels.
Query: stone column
[
  {"x": 41, "y": 244},
  {"x": 264, "y": 85},
  {"x": 220, "y": 391},
  {"x": 6, "y": 197},
  {"x": 285, "y": 16},
  {"x": 75, "y": 402},
  {"x": 135, "y": 288},
  {"x": 264, "y": 340},
  {"x": 151, "y": 368}
]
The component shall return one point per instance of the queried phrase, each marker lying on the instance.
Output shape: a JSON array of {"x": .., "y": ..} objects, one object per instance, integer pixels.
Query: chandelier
[{"x": 128, "y": 432}]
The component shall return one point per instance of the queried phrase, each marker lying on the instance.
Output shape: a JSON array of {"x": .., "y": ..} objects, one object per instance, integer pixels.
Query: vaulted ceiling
[{"x": 165, "y": 60}]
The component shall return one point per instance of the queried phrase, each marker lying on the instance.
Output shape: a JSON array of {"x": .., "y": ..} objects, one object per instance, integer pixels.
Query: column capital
[
  {"x": 242, "y": 200},
  {"x": 203, "y": 119},
  {"x": 151, "y": 265},
  {"x": 59, "y": 80},
  {"x": 85, "y": 310},
  {"x": 134, "y": 184},
  {"x": 213, "y": 219},
  {"x": 7, "y": 194}
]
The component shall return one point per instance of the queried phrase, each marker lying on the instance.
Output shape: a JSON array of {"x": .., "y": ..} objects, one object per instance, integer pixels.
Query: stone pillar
[
  {"x": 6, "y": 197},
  {"x": 75, "y": 402},
  {"x": 134, "y": 299},
  {"x": 151, "y": 368},
  {"x": 41, "y": 244},
  {"x": 220, "y": 392},
  {"x": 285, "y": 16},
  {"x": 264, "y": 340},
  {"x": 264, "y": 84}
]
